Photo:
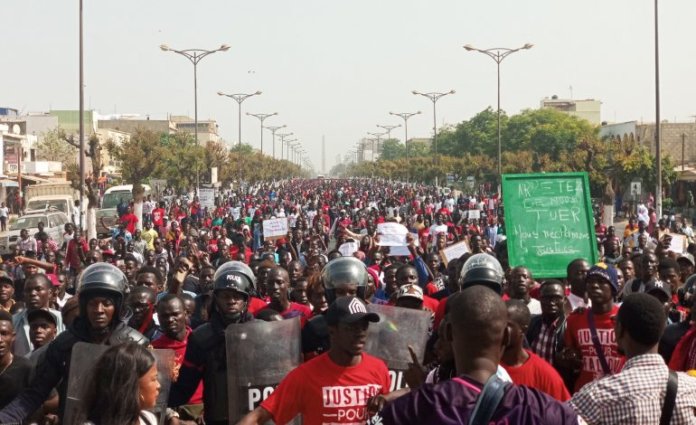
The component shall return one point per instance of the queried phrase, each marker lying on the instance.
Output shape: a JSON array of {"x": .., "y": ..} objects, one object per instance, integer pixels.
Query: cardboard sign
[
  {"x": 399, "y": 251},
  {"x": 453, "y": 252},
  {"x": 392, "y": 234},
  {"x": 348, "y": 248},
  {"x": 207, "y": 198},
  {"x": 474, "y": 214},
  {"x": 275, "y": 228},
  {"x": 678, "y": 244}
]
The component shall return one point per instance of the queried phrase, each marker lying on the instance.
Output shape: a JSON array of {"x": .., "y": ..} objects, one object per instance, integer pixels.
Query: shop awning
[
  {"x": 687, "y": 174},
  {"x": 8, "y": 183},
  {"x": 35, "y": 179}
]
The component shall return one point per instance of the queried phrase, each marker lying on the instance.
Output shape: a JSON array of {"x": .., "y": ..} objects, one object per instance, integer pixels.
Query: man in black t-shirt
[{"x": 15, "y": 371}]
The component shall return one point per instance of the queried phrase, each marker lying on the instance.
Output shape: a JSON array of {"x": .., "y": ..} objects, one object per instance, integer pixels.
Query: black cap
[
  {"x": 34, "y": 314},
  {"x": 4, "y": 277},
  {"x": 349, "y": 310},
  {"x": 659, "y": 289}
]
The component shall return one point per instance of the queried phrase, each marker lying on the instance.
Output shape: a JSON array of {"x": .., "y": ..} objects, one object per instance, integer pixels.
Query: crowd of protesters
[{"x": 595, "y": 346}]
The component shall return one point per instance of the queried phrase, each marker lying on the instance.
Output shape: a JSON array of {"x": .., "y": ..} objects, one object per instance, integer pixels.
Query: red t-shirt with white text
[
  {"x": 326, "y": 393},
  {"x": 578, "y": 336}
]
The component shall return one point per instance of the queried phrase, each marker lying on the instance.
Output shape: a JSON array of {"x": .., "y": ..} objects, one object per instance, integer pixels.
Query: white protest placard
[
  {"x": 275, "y": 228},
  {"x": 474, "y": 214},
  {"x": 392, "y": 234},
  {"x": 399, "y": 251},
  {"x": 453, "y": 252},
  {"x": 207, "y": 198},
  {"x": 348, "y": 249},
  {"x": 678, "y": 244}
]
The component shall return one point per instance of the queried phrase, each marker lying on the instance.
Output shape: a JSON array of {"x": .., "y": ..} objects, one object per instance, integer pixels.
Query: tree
[
  {"x": 546, "y": 131},
  {"x": 58, "y": 146},
  {"x": 139, "y": 156},
  {"x": 477, "y": 136},
  {"x": 93, "y": 152},
  {"x": 182, "y": 162},
  {"x": 53, "y": 147},
  {"x": 392, "y": 149}
]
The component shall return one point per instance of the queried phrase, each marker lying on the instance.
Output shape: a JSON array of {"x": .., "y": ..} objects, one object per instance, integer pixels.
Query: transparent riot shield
[
  {"x": 166, "y": 367},
  {"x": 390, "y": 337},
  {"x": 259, "y": 355},
  {"x": 82, "y": 367},
  {"x": 82, "y": 361}
]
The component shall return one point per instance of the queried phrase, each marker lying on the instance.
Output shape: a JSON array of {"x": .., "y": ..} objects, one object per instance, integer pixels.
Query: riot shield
[
  {"x": 82, "y": 362},
  {"x": 390, "y": 337},
  {"x": 259, "y": 355},
  {"x": 166, "y": 368}
]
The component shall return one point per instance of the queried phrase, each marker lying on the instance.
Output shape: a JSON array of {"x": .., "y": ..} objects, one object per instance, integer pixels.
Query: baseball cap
[
  {"x": 688, "y": 257},
  {"x": 605, "y": 272},
  {"x": 349, "y": 310},
  {"x": 4, "y": 277},
  {"x": 34, "y": 314},
  {"x": 410, "y": 291},
  {"x": 659, "y": 289}
]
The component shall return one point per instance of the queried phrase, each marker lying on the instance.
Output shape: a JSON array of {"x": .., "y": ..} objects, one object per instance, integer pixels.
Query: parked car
[{"x": 54, "y": 224}]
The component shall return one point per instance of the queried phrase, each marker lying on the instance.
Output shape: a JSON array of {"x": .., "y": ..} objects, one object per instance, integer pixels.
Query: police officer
[
  {"x": 343, "y": 276},
  {"x": 482, "y": 269},
  {"x": 206, "y": 356},
  {"x": 102, "y": 291}
]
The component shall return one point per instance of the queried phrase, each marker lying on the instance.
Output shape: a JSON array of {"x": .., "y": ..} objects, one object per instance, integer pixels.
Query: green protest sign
[{"x": 548, "y": 221}]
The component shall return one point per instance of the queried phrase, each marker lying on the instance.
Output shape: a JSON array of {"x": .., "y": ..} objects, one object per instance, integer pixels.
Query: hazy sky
[{"x": 336, "y": 68}]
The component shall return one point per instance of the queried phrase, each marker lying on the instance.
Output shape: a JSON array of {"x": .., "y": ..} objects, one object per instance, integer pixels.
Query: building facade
[{"x": 588, "y": 109}]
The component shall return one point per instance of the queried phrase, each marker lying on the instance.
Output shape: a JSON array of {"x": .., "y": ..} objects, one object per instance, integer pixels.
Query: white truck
[{"x": 51, "y": 197}]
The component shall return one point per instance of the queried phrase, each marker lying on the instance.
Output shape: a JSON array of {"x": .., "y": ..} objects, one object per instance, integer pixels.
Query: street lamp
[
  {"x": 378, "y": 138},
  {"x": 262, "y": 118},
  {"x": 195, "y": 56},
  {"x": 282, "y": 141},
  {"x": 498, "y": 54},
  {"x": 239, "y": 97},
  {"x": 273, "y": 131},
  {"x": 388, "y": 129},
  {"x": 288, "y": 144},
  {"x": 434, "y": 97},
  {"x": 405, "y": 116}
]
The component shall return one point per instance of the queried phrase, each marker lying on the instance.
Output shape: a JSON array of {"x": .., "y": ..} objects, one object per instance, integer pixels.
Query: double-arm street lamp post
[
  {"x": 288, "y": 144},
  {"x": 282, "y": 143},
  {"x": 273, "y": 132},
  {"x": 239, "y": 97},
  {"x": 388, "y": 129},
  {"x": 405, "y": 116},
  {"x": 195, "y": 56},
  {"x": 434, "y": 97},
  {"x": 262, "y": 118},
  {"x": 378, "y": 138},
  {"x": 498, "y": 54}
]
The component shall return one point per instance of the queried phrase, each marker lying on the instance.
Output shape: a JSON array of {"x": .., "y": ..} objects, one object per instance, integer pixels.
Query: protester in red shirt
[
  {"x": 171, "y": 314},
  {"x": 75, "y": 252},
  {"x": 277, "y": 284},
  {"x": 585, "y": 326},
  {"x": 523, "y": 366},
  {"x": 335, "y": 386},
  {"x": 129, "y": 219},
  {"x": 158, "y": 215}
]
